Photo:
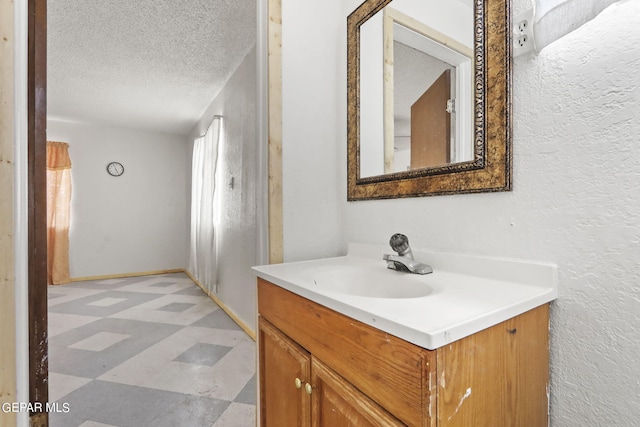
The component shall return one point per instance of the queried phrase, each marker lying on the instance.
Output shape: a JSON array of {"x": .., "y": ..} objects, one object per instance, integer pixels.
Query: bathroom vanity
[{"x": 470, "y": 350}]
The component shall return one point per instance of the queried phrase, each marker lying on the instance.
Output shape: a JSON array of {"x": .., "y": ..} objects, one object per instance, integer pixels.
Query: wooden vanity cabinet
[
  {"x": 289, "y": 399},
  {"x": 319, "y": 368},
  {"x": 285, "y": 368}
]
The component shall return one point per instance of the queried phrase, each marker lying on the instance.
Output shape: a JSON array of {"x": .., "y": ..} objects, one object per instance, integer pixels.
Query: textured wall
[
  {"x": 576, "y": 197},
  {"x": 134, "y": 223},
  {"x": 577, "y": 157},
  {"x": 173, "y": 55},
  {"x": 237, "y": 237}
]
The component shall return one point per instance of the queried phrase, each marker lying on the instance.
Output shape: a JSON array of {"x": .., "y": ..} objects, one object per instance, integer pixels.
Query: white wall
[
  {"x": 237, "y": 237},
  {"x": 576, "y": 197},
  {"x": 136, "y": 222},
  {"x": 314, "y": 120}
]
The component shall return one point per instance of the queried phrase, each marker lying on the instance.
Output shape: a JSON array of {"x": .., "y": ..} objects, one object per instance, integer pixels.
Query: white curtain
[{"x": 203, "y": 257}]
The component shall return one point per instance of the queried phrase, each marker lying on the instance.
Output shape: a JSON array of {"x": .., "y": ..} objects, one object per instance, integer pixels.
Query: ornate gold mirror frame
[{"x": 490, "y": 170}]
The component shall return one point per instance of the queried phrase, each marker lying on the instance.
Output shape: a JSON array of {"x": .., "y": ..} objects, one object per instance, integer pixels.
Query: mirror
[
  {"x": 428, "y": 98},
  {"x": 416, "y": 82}
]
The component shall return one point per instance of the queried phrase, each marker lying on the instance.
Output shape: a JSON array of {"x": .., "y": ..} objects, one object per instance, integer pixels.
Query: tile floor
[{"x": 147, "y": 351}]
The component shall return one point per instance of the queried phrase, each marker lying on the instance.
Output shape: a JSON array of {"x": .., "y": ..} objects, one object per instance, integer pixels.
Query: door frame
[
  {"x": 30, "y": 186},
  {"x": 37, "y": 210}
]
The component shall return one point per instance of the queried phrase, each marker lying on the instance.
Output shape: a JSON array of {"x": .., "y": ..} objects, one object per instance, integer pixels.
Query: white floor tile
[
  {"x": 146, "y": 285},
  {"x": 95, "y": 424},
  {"x": 60, "y": 385},
  {"x": 107, "y": 302},
  {"x": 111, "y": 281},
  {"x": 140, "y": 368},
  {"x": 69, "y": 294},
  {"x": 237, "y": 415},
  {"x": 176, "y": 376},
  {"x": 99, "y": 341},
  {"x": 136, "y": 370},
  {"x": 59, "y": 322},
  {"x": 228, "y": 377},
  {"x": 156, "y": 367},
  {"x": 151, "y": 311},
  {"x": 226, "y": 337}
]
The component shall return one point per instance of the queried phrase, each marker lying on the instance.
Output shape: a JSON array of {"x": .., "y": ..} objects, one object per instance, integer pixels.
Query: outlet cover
[{"x": 523, "y": 42}]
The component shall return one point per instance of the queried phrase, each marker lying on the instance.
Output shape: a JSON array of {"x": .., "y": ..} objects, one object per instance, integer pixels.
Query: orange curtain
[{"x": 58, "y": 212}]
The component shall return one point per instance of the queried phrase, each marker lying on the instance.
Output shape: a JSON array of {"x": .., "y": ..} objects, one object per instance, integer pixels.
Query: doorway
[{"x": 38, "y": 353}]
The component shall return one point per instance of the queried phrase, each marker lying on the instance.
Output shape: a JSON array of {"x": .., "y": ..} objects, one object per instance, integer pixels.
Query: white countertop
[{"x": 468, "y": 293}]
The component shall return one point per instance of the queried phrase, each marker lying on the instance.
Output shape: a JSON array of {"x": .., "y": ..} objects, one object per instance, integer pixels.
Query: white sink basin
[
  {"x": 464, "y": 294},
  {"x": 377, "y": 282}
]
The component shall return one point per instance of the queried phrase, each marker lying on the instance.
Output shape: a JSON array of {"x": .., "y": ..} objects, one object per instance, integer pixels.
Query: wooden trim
[
  {"x": 407, "y": 21},
  {"x": 274, "y": 44},
  {"x": 37, "y": 222},
  {"x": 230, "y": 313},
  {"x": 388, "y": 88},
  {"x": 119, "y": 276},
  {"x": 8, "y": 387},
  {"x": 41, "y": 419}
]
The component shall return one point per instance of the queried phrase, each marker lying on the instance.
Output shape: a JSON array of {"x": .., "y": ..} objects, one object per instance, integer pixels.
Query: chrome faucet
[{"x": 404, "y": 260}]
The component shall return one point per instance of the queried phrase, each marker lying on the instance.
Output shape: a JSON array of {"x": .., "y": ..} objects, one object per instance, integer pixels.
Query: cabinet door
[
  {"x": 284, "y": 372},
  {"x": 336, "y": 403}
]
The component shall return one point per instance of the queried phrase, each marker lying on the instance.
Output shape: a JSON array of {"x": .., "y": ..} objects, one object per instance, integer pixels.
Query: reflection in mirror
[
  {"x": 398, "y": 54},
  {"x": 416, "y": 87}
]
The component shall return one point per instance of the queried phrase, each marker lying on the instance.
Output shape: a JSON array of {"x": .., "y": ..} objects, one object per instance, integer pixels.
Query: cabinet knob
[
  {"x": 298, "y": 383},
  {"x": 308, "y": 388}
]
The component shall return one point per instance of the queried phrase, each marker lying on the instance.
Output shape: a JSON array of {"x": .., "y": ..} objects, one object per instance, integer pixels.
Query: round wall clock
[{"x": 115, "y": 169}]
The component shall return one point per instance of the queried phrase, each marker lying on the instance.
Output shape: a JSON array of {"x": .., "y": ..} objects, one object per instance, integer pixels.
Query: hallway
[{"x": 149, "y": 350}]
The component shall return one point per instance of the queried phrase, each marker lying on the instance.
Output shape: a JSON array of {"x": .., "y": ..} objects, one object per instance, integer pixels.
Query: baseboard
[
  {"x": 224, "y": 308},
  {"x": 120, "y": 276}
]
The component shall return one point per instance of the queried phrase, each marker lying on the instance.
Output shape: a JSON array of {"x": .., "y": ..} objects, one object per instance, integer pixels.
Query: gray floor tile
[
  {"x": 122, "y": 405},
  {"x": 162, "y": 284},
  {"x": 88, "y": 402},
  {"x": 61, "y": 419},
  {"x": 191, "y": 411},
  {"x": 218, "y": 320},
  {"x": 203, "y": 354},
  {"x": 101, "y": 284},
  {"x": 248, "y": 393},
  {"x": 80, "y": 306},
  {"x": 181, "y": 277},
  {"x": 92, "y": 364},
  {"x": 191, "y": 290},
  {"x": 130, "y": 406},
  {"x": 176, "y": 307}
]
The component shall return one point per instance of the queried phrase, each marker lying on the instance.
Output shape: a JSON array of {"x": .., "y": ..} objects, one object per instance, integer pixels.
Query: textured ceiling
[{"x": 148, "y": 64}]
